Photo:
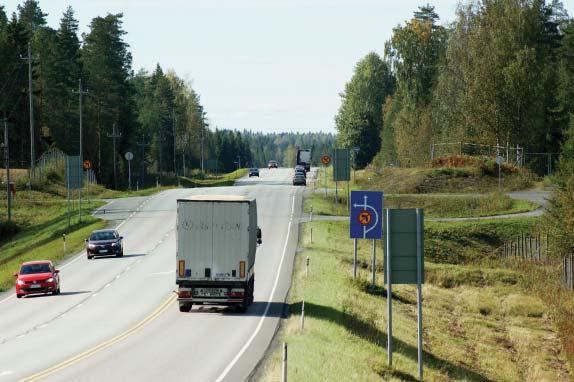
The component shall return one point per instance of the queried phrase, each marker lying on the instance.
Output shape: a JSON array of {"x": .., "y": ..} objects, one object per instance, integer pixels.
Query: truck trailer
[
  {"x": 304, "y": 158},
  {"x": 217, "y": 239}
]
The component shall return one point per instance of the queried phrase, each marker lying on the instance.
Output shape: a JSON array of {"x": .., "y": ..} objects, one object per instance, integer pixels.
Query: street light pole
[
  {"x": 114, "y": 135},
  {"x": 80, "y": 93},
  {"x": 32, "y": 159},
  {"x": 202, "y": 129},
  {"x": 7, "y": 163}
]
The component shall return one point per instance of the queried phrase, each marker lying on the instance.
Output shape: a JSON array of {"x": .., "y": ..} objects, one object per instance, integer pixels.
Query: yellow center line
[{"x": 77, "y": 358}]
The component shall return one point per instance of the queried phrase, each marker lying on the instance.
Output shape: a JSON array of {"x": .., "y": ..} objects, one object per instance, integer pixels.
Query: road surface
[{"x": 116, "y": 319}]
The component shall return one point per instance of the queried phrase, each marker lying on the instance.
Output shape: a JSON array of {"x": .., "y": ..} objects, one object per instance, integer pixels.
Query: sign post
[
  {"x": 325, "y": 159},
  {"x": 499, "y": 161},
  {"x": 341, "y": 168},
  {"x": 74, "y": 178},
  {"x": 404, "y": 264},
  {"x": 129, "y": 156},
  {"x": 366, "y": 221}
]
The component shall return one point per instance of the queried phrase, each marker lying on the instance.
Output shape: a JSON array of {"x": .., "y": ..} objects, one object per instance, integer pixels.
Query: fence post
[
  {"x": 564, "y": 270},
  {"x": 571, "y": 271},
  {"x": 284, "y": 371},
  {"x": 303, "y": 315}
]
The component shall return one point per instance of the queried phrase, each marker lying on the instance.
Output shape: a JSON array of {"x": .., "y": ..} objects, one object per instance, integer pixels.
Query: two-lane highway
[{"x": 116, "y": 319}]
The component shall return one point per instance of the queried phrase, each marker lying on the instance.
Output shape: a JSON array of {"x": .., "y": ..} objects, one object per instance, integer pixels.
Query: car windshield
[
  {"x": 253, "y": 169},
  {"x": 30, "y": 269},
  {"x": 104, "y": 235}
]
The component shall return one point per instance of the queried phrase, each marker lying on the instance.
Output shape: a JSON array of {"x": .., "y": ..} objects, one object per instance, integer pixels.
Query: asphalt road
[{"x": 116, "y": 319}]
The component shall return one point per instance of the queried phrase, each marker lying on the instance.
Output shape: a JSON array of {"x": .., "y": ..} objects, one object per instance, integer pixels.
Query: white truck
[{"x": 217, "y": 237}]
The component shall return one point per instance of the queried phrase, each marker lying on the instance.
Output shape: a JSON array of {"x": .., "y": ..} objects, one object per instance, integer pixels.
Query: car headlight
[
  {"x": 20, "y": 282},
  {"x": 114, "y": 244},
  {"x": 91, "y": 246},
  {"x": 50, "y": 280}
]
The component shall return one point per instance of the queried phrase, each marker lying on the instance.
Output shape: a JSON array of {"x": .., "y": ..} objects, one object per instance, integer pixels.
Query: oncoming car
[
  {"x": 272, "y": 164},
  {"x": 253, "y": 172},
  {"x": 37, "y": 277},
  {"x": 104, "y": 242}
]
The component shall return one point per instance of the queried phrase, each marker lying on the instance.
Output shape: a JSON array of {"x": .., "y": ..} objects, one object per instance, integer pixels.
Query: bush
[{"x": 7, "y": 230}]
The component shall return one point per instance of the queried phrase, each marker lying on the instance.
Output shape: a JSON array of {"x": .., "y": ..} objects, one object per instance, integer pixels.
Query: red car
[{"x": 37, "y": 277}]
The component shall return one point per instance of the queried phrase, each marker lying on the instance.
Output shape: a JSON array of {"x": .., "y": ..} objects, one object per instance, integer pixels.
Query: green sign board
[
  {"x": 403, "y": 230},
  {"x": 74, "y": 172},
  {"x": 341, "y": 165}
]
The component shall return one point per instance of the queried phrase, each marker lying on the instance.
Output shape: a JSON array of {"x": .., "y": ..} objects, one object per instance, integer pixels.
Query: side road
[{"x": 536, "y": 196}]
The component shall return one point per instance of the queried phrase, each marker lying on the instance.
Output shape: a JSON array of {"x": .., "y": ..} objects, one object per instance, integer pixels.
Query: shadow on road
[{"x": 276, "y": 309}]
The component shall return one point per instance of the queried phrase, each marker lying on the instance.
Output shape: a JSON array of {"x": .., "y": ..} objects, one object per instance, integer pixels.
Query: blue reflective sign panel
[{"x": 366, "y": 215}]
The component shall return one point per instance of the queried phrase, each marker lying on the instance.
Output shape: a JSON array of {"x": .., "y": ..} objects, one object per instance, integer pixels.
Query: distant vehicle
[
  {"x": 304, "y": 158},
  {"x": 217, "y": 238},
  {"x": 272, "y": 164},
  {"x": 253, "y": 172},
  {"x": 299, "y": 180},
  {"x": 301, "y": 171},
  {"x": 104, "y": 242},
  {"x": 37, "y": 277}
]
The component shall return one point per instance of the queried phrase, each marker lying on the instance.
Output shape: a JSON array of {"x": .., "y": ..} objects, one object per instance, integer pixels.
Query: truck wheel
[
  {"x": 185, "y": 307},
  {"x": 242, "y": 308}
]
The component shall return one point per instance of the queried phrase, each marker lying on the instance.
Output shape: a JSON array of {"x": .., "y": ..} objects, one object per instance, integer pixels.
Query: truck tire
[{"x": 185, "y": 307}]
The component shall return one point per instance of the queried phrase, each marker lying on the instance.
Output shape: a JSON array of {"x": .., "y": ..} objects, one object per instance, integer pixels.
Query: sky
[{"x": 261, "y": 65}]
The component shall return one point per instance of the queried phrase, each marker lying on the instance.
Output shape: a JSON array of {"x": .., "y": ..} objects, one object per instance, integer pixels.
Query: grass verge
[
  {"x": 439, "y": 206},
  {"x": 480, "y": 323}
]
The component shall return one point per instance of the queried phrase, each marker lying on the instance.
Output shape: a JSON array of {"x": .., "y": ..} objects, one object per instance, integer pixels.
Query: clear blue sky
[{"x": 264, "y": 65}]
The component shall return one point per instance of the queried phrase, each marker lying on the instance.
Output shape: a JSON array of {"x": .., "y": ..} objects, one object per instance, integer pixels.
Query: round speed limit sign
[{"x": 365, "y": 218}]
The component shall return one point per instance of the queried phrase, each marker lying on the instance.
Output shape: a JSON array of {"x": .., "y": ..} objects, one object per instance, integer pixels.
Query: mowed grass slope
[
  {"x": 40, "y": 220},
  {"x": 480, "y": 321},
  {"x": 438, "y": 206}
]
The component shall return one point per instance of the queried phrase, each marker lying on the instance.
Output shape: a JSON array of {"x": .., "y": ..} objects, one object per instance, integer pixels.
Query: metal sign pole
[
  {"x": 374, "y": 263},
  {"x": 130, "y": 175},
  {"x": 389, "y": 292},
  {"x": 355, "y": 259},
  {"x": 419, "y": 294},
  {"x": 325, "y": 182}
]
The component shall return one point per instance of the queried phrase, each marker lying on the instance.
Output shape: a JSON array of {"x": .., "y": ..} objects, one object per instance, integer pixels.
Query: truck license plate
[{"x": 210, "y": 292}]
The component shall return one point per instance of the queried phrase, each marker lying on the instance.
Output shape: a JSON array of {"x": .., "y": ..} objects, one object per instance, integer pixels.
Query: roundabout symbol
[
  {"x": 366, "y": 215},
  {"x": 365, "y": 218}
]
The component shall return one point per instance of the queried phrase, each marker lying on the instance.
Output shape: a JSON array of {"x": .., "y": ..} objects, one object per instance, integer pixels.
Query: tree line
[
  {"x": 502, "y": 73},
  {"x": 156, "y": 115}
]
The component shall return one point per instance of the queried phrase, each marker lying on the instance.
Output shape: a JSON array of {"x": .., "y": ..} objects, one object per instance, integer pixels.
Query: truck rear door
[{"x": 230, "y": 240}]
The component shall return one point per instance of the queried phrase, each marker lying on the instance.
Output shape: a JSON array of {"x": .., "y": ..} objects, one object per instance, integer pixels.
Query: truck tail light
[
  {"x": 184, "y": 294},
  {"x": 242, "y": 269},
  {"x": 181, "y": 268},
  {"x": 236, "y": 293}
]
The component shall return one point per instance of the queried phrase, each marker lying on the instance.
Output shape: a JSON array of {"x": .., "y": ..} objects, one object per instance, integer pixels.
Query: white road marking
[
  {"x": 4, "y": 373},
  {"x": 260, "y": 324},
  {"x": 161, "y": 273},
  {"x": 42, "y": 326},
  {"x": 94, "y": 295},
  {"x": 107, "y": 285}
]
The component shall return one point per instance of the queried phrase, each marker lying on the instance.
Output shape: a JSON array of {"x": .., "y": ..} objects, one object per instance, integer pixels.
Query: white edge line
[{"x": 258, "y": 328}]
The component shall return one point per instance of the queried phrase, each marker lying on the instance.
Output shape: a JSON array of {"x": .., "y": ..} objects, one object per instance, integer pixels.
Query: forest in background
[
  {"x": 156, "y": 115},
  {"x": 502, "y": 73}
]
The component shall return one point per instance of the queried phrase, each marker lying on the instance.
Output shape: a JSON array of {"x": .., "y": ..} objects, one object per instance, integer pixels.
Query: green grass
[
  {"x": 439, "y": 206},
  {"x": 39, "y": 221},
  {"x": 422, "y": 180},
  {"x": 480, "y": 323}
]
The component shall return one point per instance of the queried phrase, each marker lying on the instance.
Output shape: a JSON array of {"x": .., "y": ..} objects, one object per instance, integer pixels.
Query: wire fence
[
  {"x": 542, "y": 163},
  {"x": 536, "y": 248},
  {"x": 527, "y": 247}
]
